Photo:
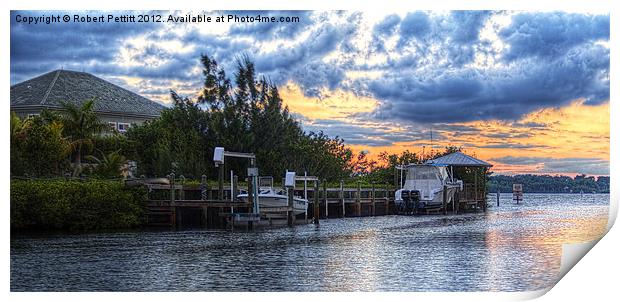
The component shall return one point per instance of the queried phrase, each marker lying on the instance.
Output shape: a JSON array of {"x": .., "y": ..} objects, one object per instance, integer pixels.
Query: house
[{"x": 117, "y": 106}]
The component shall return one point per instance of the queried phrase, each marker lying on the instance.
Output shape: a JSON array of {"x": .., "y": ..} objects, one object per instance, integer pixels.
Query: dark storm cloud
[
  {"x": 557, "y": 63},
  {"x": 548, "y": 35},
  {"x": 38, "y": 48},
  {"x": 506, "y": 94},
  {"x": 560, "y": 165},
  {"x": 466, "y": 25},
  {"x": 302, "y": 62},
  {"x": 414, "y": 25}
]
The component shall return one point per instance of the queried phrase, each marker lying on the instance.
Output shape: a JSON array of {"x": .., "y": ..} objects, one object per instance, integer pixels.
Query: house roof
[
  {"x": 459, "y": 159},
  {"x": 49, "y": 89}
]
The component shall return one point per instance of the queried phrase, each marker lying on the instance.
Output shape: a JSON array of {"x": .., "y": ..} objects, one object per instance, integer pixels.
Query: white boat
[
  {"x": 424, "y": 186},
  {"x": 272, "y": 200}
]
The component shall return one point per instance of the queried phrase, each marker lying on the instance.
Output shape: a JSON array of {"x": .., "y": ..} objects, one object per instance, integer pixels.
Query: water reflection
[{"x": 509, "y": 248}]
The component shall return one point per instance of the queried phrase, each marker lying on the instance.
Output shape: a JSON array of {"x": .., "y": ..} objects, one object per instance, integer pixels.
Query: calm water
[{"x": 510, "y": 248}]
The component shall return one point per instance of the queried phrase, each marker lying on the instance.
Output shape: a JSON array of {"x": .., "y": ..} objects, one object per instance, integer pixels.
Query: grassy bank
[{"x": 59, "y": 204}]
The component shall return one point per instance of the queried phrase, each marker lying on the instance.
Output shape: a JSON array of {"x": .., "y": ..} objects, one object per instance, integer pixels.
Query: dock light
[
  {"x": 289, "y": 180},
  {"x": 218, "y": 156}
]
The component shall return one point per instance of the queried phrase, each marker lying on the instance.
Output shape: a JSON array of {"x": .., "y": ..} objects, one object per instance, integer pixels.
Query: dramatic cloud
[
  {"x": 484, "y": 80},
  {"x": 549, "y": 35},
  {"x": 540, "y": 73}
]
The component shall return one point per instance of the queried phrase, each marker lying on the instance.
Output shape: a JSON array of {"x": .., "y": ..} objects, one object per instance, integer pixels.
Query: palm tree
[
  {"x": 81, "y": 124},
  {"x": 110, "y": 165}
]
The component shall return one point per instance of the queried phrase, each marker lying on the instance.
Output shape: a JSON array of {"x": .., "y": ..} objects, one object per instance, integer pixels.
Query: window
[
  {"x": 33, "y": 115},
  {"x": 122, "y": 127},
  {"x": 112, "y": 125},
  {"x": 422, "y": 173}
]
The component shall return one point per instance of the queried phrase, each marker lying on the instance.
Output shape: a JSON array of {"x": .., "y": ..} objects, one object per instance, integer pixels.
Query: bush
[
  {"x": 37, "y": 148},
  {"x": 59, "y": 204}
]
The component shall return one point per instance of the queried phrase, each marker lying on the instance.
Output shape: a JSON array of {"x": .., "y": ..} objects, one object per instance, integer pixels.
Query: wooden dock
[{"x": 179, "y": 205}]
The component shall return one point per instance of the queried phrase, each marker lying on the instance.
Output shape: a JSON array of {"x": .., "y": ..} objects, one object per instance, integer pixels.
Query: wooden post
[
  {"x": 220, "y": 192},
  {"x": 484, "y": 191},
  {"x": 476, "y": 187},
  {"x": 373, "y": 199},
  {"x": 203, "y": 188},
  {"x": 235, "y": 190},
  {"x": 387, "y": 200},
  {"x": 454, "y": 201},
  {"x": 358, "y": 199},
  {"x": 498, "y": 196},
  {"x": 325, "y": 199},
  {"x": 445, "y": 200},
  {"x": 289, "y": 211},
  {"x": 316, "y": 209},
  {"x": 457, "y": 200},
  {"x": 172, "y": 197},
  {"x": 250, "y": 196},
  {"x": 235, "y": 186},
  {"x": 182, "y": 191},
  {"x": 205, "y": 215},
  {"x": 172, "y": 203},
  {"x": 342, "y": 198}
]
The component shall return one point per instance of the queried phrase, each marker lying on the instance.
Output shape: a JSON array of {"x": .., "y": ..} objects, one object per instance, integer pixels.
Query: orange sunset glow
[{"x": 560, "y": 133}]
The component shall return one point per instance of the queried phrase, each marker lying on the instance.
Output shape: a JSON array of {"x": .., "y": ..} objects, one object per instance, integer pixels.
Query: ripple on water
[{"x": 509, "y": 248}]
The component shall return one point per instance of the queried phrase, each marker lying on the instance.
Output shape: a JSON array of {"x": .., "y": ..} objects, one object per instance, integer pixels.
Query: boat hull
[
  {"x": 278, "y": 203},
  {"x": 410, "y": 199}
]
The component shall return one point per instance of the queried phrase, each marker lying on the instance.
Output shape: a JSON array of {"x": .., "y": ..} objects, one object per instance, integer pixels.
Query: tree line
[{"x": 550, "y": 184}]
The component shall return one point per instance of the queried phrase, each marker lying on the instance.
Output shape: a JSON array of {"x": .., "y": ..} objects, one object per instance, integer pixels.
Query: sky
[{"x": 526, "y": 91}]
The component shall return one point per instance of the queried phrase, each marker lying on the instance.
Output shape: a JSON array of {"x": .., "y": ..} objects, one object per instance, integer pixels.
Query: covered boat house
[{"x": 473, "y": 172}]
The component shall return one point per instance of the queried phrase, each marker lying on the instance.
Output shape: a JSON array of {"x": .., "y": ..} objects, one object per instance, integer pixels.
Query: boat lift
[
  {"x": 289, "y": 182},
  {"x": 219, "y": 154}
]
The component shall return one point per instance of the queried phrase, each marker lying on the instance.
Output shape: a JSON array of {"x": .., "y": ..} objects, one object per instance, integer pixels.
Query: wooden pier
[
  {"x": 191, "y": 205},
  {"x": 187, "y": 205},
  {"x": 174, "y": 203}
]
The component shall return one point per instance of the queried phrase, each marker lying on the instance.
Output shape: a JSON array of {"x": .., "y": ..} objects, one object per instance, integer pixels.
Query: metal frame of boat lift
[
  {"x": 219, "y": 154},
  {"x": 289, "y": 182}
]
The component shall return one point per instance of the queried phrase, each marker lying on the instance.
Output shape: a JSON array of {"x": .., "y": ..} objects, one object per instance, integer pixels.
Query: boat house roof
[
  {"x": 49, "y": 89},
  {"x": 458, "y": 159}
]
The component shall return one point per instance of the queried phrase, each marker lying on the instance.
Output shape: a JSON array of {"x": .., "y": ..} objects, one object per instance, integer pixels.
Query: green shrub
[{"x": 75, "y": 205}]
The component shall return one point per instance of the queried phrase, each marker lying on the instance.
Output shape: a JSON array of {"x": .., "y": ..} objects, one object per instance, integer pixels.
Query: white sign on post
[
  {"x": 218, "y": 155},
  {"x": 289, "y": 181}
]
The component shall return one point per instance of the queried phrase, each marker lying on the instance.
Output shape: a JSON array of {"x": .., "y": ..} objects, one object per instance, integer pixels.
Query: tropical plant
[
  {"x": 81, "y": 124},
  {"x": 37, "y": 148},
  {"x": 109, "y": 165}
]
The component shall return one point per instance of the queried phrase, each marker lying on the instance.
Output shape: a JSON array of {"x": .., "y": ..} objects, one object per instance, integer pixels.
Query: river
[{"x": 510, "y": 248}]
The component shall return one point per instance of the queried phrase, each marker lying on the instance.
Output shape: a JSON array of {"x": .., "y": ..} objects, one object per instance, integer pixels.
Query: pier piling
[
  {"x": 342, "y": 215},
  {"x": 373, "y": 199},
  {"x": 445, "y": 200},
  {"x": 358, "y": 200},
  {"x": 316, "y": 208},
  {"x": 289, "y": 213},
  {"x": 325, "y": 199}
]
